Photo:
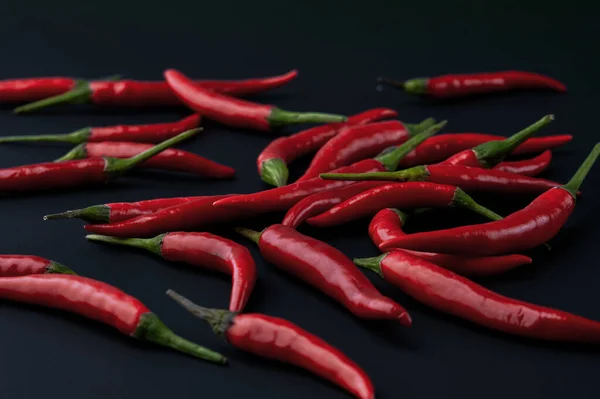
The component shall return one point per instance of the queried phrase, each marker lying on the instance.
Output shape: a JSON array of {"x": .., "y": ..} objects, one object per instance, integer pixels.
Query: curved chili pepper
[
  {"x": 133, "y": 93},
  {"x": 75, "y": 173},
  {"x": 273, "y": 160},
  {"x": 326, "y": 269},
  {"x": 24, "y": 265},
  {"x": 203, "y": 250},
  {"x": 399, "y": 195},
  {"x": 450, "y": 293},
  {"x": 279, "y": 339},
  {"x": 537, "y": 223},
  {"x": 154, "y": 133},
  {"x": 527, "y": 167},
  {"x": 387, "y": 224},
  {"x": 283, "y": 198},
  {"x": 457, "y": 85},
  {"x": 120, "y": 211},
  {"x": 101, "y": 302},
  {"x": 171, "y": 159},
  {"x": 32, "y": 89},
  {"x": 185, "y": 216}
]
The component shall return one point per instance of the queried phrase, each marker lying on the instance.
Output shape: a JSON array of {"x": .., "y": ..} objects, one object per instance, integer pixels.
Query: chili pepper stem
[
  {"x": 152, "y": 329},
  {"x": 412, "y": 174},
  {"x": 573, "y": 185},
  {"x": 96, "y": 213},
  {"x": 274, "y": 172},
  {"x": 372, "y": 264},
  {"x": 403, "y": 215},
  {"x": 151, "y": 244},
  {"x": 463, "y": 200},
  {"x": 78, "y": 152},
  {"x": 280, "y": 117},
  {"x": 252, "y": 235},
  {"x": 76, "y": 137},
  {"x": 413, "y": 86},
  {"x": 416, "y": 128},
  {"x": 218, "y": 319},
  {"x": 57, "y": 268}
]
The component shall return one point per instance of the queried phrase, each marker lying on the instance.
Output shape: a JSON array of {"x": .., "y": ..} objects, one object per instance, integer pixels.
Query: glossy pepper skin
[
  {"x": 326, "y": 269},
  {"x": 171, "y": 159},
  {"x": 101, "y": 302},
  {"x": 528, "y": 167},
  {"x": 273, "y": 160},
  {"x": 203, "y": 250},
  {"x": 234, "y": 112},
  {"x": 387, "y": 224},
  {"x": 24, "y": 265},
  {"x": 153, "y": 133},
  {"x": 278, "y": 339},
  {"x": 450, "y": 293},
  {"x": 459, "y": 85},
  {"x": 537, "y": 223},
  {"x": 33, "y": 89}
]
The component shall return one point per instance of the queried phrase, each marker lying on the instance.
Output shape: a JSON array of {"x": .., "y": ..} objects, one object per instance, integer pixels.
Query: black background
[{"x": 339, "y": 50}]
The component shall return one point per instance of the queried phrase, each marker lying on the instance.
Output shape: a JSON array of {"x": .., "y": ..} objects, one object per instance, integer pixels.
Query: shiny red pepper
[
  {"x": 234, "y": 112},
  {"x": 541, "y": 220},
  {"x": 203, "y": 250},
  {"x": 527, "y": 167},
  {"x": 450, "y": 293},
  {"x": 278, "y": 339},
  {"x": 154, "y": 133},
  {"x": 326, "y": 269},
  {"x": 24, "y": 265},
  {"x": 33, "y": 89},
  {"x": 273, "y": 160},
  {"x": 101, "y": 302}
]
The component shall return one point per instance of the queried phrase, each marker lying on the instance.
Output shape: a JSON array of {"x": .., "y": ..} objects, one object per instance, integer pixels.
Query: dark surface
[{"x": 339, "y": 51}]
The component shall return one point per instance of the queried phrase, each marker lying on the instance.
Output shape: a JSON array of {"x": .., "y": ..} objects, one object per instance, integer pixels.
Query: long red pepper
[
  {"x": 154, "y": 133},
  {"x": 235, "y": 112},
  {"x": 387, "y": 224},
  {"x": 361, "y": 142},
  {"x": 537, "y": 223},
  {"x": 326, "y": 269},
  {"x": 75, "y": 173},
  {"x": 527, "y": 167},
  {"x": 273, "y": 160},
  {"x": 134, "y": 93},
  {"x": 203, "y": 250},
  {"x": 450, "y": 293},
  {"x": 171, "y": 159},
  {"x": 283, "y": 198},
  {"x": 32, "y": 89},
  {"x": 279, "y": 339},
  {"x": 24, "y": 265},
  {"x": 457, "y": 85},
  {"x": 399, "y": 195},
  {"x": 101, "y": 302}
]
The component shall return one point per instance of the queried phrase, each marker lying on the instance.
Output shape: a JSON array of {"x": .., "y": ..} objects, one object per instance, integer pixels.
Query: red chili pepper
[
  {"x": 387, "y": 224},
  {"x": 154, "y": 133},
  {"x": 234, "y": 112},
  {"x": 272, "y": 161},
  {"x": 399, "y": 195},
  {"x": 541, "y": 220},
  {"x": 24, "y": 265},
  {"x": 32, "y": 89},
  {"x": 102, "y": 302},
  {"x": 361, "y": 142},
  {"x": 283, "y": 198},
  {"x": 203, "y": 250},
  {"x": 279, "y": 339},
  {"x": 527, "y": 167},
  {"x": 185, "y": 216},
  {"x": 133, "y": 93},
  {"x": 457, "y": 85},
  {"x": 75, "y": 173},
  {"x": 326, "y": 269},
  {"x": 450, "y": 293},
  {"x": 171, "y": 159}
]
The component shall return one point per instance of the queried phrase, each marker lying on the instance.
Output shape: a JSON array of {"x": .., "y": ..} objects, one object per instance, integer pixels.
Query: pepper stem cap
[
  {"x": 573, "y": 185},
  {"x": 280, "y": 117},
  {"x": 57, "y": 268},
  {"x": 91, "y": 214},
  {"x": 274, "y": 172},
  {"x": 252, "y": 235},
  {"x": 150, "y": 244},
  {"x": 372, "y": 264},
  {"x": 416, "y": 128},
  {"x": 78, "y": 152},
  {"x": 463, "y": 200}
]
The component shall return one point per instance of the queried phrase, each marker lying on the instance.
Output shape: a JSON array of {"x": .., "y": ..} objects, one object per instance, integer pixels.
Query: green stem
[
  {"x": 252, "y": 235},
  {"x": 573, "y": 185},
  {"x": 413, "y": 86},
  {"x": 372, "y": 264},
  {"x": 463, "y": 200},
  {"x": 57, "y": 268},
  {"x": 416, "y": 128},
  {"x": 280, "y": 117},
  {"x": 218, "y": 319},
  {"x": 91, "y": 214},
  {"x": 411, "y": 174},
  {"x": 76, "y": 137},
  {"x": 274, "y": 172},
  {"x": 402, "y": 215},
  {"x": 150, "y": 244},
  {"x": 79, "y": 152}
]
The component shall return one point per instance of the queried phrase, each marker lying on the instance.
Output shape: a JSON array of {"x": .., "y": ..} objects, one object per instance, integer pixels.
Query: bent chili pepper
[
  {"x": 387, "y": 224},
  {"x": 24, "y": 265},
  {"x": 450, "y": 293},
  {"x": 537, "y": 223},
  {"x": 278, "y": 339},
  {"x": 234, "y": 112},
  {"x": 399, "y": 195},
  {"x": 171, "y": 159},
  {"x": 154, "y": 133},
  {"x": 326, "y": 269},
  {"x": 203, "y": 250},
  {"x": 283, "y": 198},
  {"x": 458, "y": 85},
  {"x": 528, "y": 167},
  {"x": 134, "y": 93},
  {"x": 75, "y": 173},
  {"x": 101, "y": 302},
  {"x": 273, "y": 160},
  {"x": 361, "y": 142}
]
